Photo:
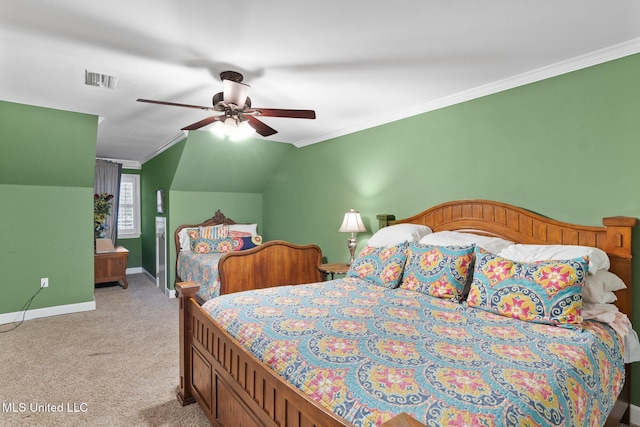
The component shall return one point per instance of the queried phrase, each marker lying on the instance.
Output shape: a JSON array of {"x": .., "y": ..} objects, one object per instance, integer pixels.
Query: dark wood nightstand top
[{"x": 332, "y": 269}]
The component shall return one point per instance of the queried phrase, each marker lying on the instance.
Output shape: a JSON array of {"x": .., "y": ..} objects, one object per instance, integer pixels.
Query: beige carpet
[{"x": 115, "y": 366}]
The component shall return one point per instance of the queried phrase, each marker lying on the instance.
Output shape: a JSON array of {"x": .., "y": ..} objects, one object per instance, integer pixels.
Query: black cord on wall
[{"x": 25, "y": 307}]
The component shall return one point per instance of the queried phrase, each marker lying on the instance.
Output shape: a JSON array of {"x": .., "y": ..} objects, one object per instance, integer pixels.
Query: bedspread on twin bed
[
  {"x": 368, "y": 353},
  {"x": 201, "y": 269}
]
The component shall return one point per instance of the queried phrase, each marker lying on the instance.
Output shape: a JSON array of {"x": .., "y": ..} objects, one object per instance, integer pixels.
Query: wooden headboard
[
  {"x": 522, "y": 226},
  {"x": 217, "y": 219}
]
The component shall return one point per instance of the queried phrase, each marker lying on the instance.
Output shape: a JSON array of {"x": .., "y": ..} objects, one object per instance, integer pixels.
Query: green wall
[
  {"x": 157, "y": 174},
  {"x": 47, "y": 160},
  {"x": 566, "y": 147}
]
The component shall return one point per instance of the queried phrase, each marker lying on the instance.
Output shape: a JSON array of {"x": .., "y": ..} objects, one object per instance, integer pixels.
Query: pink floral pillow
[
  {"x": 542, "y": 292},
  {"x": 380, "y": 266},
  {"x": 439, "y": 271}
]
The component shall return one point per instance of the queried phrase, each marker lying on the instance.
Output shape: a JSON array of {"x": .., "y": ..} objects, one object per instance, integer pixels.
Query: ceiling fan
[{"x": 234, "y": 105}]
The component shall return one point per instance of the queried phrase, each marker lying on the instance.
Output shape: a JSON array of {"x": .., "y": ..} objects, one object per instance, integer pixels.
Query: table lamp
[{"x": 352, "y": 223}]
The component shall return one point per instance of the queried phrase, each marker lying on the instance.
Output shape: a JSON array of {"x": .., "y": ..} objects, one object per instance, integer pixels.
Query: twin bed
[
  {"x": 354, "y": 352},
  {"x": 219, "y": 273}
]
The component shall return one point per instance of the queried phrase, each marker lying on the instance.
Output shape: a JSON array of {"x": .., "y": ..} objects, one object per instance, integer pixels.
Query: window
[{"x": 129, "y": 207}]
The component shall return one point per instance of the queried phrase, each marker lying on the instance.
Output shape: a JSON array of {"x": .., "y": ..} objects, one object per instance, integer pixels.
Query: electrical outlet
[{"x": 44, "y": 282}]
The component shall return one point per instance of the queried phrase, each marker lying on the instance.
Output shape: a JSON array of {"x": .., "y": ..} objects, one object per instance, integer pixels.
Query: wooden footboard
[
  {"x": 232, "y": 387},
  {"x": 274, "y": 263}
]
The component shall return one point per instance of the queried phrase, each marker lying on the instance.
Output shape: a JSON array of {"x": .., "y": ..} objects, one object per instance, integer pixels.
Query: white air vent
[{"x": 99, "y": 80}]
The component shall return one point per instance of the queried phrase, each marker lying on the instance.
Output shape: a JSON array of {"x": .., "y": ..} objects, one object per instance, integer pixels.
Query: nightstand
[
  {"x": 332, "y": 269},
  {"x": 111, "y": 266}
]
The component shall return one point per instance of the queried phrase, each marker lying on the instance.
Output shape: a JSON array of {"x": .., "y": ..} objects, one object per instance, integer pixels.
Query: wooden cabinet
[{"x": 111, "y": 266}]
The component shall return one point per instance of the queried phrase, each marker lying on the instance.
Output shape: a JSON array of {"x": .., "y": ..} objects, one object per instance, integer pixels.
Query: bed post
[
  {"x": 185, "y": 292},
  {"x": 384, "y": 220}
]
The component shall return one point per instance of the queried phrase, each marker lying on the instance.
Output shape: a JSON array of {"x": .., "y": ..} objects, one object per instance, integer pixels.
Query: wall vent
[{"x": 99, "y": 80}]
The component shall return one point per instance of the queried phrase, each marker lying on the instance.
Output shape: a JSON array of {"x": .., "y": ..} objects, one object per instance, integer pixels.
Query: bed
[
  {"x": 234, "y": 387},
  {"x": 219, "y": 273}
]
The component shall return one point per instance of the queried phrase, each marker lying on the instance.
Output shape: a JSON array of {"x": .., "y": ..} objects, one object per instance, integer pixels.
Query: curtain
[{"x": 107, "y": 180}]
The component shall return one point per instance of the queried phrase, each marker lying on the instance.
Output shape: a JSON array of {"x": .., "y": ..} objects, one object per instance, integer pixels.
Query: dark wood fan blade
[
  {"x": 203, "y": 122},
  {"x": 275, "y": 112},
  {"x": 261, "y": 127},
  {"x": 199, "y": 107}
]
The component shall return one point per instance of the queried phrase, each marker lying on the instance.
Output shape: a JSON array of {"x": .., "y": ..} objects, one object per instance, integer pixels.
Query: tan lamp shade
[{"x": 352, "y": 222}]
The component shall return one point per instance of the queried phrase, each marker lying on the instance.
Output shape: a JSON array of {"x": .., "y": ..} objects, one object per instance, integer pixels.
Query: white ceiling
[{"x": 358, "y": 64}]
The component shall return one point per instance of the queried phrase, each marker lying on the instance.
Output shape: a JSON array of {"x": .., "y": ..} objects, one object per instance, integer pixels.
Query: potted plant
[{"x": 101, "y": 209}]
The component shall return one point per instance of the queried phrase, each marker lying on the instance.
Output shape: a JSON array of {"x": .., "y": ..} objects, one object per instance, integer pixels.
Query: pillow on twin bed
[
  {"x": 185, "y": 235},
  {"x": 243, "y": 230},
  {"x": 396, "y": 234},
  {"x": 439, "y": 271},
  {"x": 208, "y": 246},
  {"x": 547, "y": 292},
  {"x": 214, "y": 232},
  {"x": 248, "y": 242},
  {"x": 380, "y": 266},
  {"x": 456, "y": 238},
  {"x": 598, "y": 259}
]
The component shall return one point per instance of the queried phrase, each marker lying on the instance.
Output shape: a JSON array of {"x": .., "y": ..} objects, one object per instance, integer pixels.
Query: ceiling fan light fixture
[
  {"x": 217, "y": 129},
  {"x": 235, "y": 93},
  {"x": 243, "y": 131},
  {"x": 232, "y": 128}
]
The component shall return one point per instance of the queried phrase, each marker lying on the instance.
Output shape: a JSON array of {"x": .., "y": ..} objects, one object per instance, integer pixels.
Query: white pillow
[
  {"x": 185, "y": 240},
  {"x": 598, "y": 259},
  {"x": 244, "y": 228},
  {"x": 456, "y": 238},
  {"x": 593, "y": 296},
  {"x": 398, "y": 233},
  {"x": 599, "y": 287}
]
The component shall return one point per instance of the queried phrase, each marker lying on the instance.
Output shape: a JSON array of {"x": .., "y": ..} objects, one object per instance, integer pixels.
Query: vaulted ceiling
[{"x": 358, "y": 64}]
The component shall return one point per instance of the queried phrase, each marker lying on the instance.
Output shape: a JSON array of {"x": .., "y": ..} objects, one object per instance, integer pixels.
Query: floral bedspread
[
  {"x": 201, "y": 269},
  {"x": 368, "y": 353}
]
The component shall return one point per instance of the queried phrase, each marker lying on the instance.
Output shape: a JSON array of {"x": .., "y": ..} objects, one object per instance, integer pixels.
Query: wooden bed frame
[{"x": 234, "y": 388}]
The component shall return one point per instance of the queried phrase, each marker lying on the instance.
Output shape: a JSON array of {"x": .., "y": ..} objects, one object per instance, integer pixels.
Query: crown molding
[
  {"x": 126, "y": 164},
  {"x": 168, "y": 144},
  {"x": 577, "y": 63}
]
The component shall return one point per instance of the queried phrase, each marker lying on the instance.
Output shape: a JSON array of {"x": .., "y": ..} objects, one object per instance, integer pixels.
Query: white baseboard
[
  {"x": 47, "y": 312},
  {"x": 136, "y": 270},
  {"x": 634, "y": 414}
]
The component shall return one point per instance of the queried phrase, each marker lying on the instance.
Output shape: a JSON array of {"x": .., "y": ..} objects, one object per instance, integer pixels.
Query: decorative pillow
[
  {"x": 456, "y": 238},
  {"x": 598, "y": 259},
  {"x": 439, "y": 271},
  {"x": 185, "y": 237},
  {"x": 396, "y": 234},
  {"x": 207, "y": 246},
  {"x": 214, "y": 232},
  {"x": 543, "y": 292},
  {"x": 381, "y": 266},
  {"x": 248, "y": 242},
  {"x": 242, "y": 230}
]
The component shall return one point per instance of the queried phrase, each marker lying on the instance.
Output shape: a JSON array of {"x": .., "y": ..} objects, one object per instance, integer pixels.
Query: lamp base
[{"x": 352, "y": 243}]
